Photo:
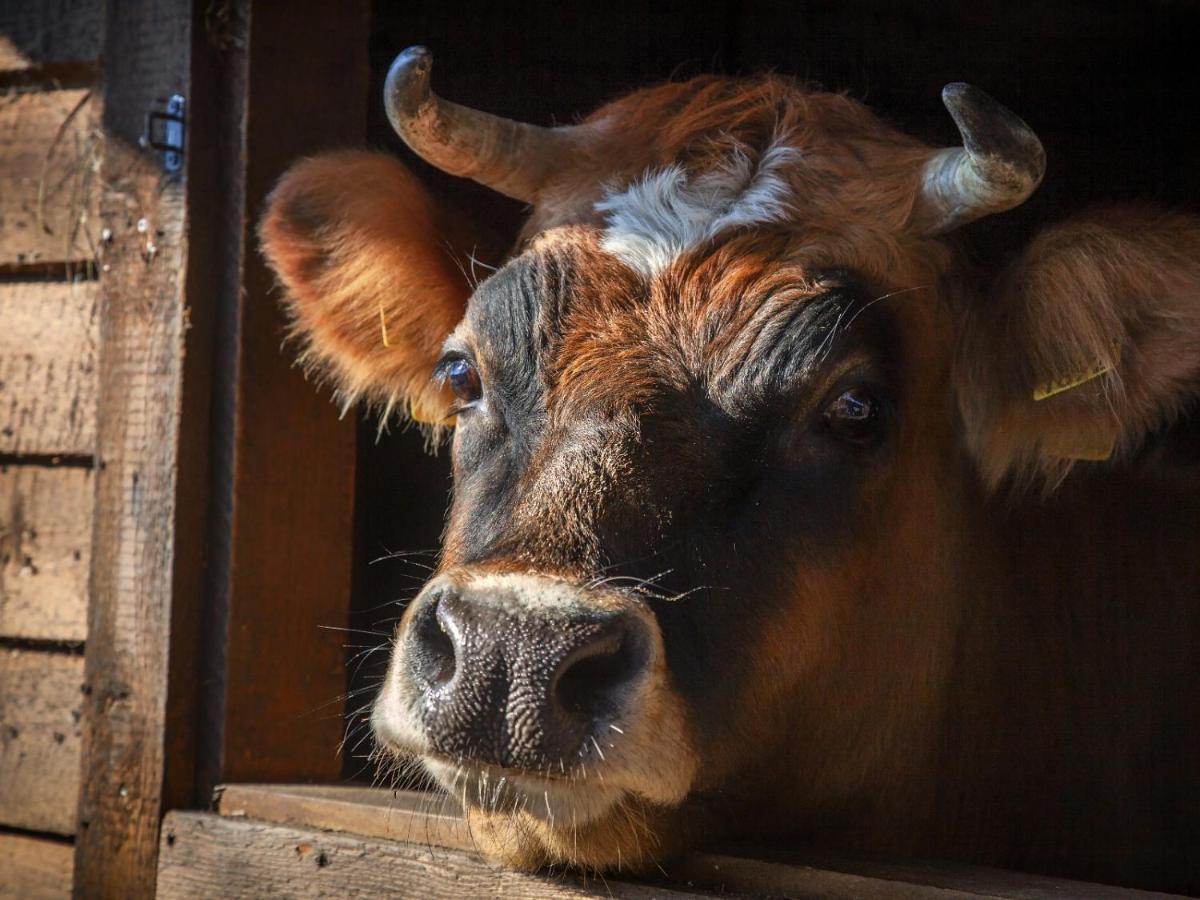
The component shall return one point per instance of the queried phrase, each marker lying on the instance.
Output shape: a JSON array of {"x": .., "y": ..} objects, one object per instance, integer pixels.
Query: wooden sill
[{"x": 317, "y": 841}]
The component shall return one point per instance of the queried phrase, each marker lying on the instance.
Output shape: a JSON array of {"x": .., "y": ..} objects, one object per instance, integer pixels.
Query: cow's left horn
[
  {"x": 510, "y": 157},
  {"x": 999, "y": 165}
]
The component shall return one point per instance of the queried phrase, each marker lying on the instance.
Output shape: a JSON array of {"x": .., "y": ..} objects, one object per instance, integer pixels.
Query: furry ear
[
  {"x": 1091, "y": 340},
  {"x": 374, "y": 277}
]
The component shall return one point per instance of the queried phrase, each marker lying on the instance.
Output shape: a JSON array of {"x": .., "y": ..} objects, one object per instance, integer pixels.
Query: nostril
[
  {"x": 594, "y": 682},
  {"x": 431, "y": 648}
]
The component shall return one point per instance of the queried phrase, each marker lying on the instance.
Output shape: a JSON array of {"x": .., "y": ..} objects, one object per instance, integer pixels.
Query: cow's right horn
[
  {"x": 999, "y": 165},
  {"x": 510, "y": 157}
]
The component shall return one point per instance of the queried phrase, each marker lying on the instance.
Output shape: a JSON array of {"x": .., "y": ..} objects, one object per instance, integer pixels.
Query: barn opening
[{"x": 282, "y": 517}]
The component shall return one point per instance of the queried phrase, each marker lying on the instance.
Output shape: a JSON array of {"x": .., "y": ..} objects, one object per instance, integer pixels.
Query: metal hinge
[{"x": 164, "y": 132}]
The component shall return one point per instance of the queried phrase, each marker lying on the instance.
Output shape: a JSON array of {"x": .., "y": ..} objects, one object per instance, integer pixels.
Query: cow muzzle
[
  {"x": 519, "y": 676},
  {"x": 535, "y": 695}
]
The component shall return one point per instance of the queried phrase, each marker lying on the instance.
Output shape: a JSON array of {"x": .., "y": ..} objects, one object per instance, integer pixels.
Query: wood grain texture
[
  {"x": 291, "y": 491},
  {"x": 49, "y": 177},
  {"x": 146, "y": 56},
  {"x": 205, "y": 855},
  {"x": 49, "y": 32},
  {"x": 45, "y": 550},
  {"x": 216, "y": 209},
  {"x": 34, "y": 868},
  {"x": 432, "y": 820},
  {"x": 48, "y": 367},
  {"x": 399, "y": 816},
  {"x": 39, "y": 739}
]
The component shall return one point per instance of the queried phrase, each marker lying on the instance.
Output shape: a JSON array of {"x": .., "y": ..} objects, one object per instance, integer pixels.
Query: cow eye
[
  {"x": 854, "y": 414},
  {"x": 463, "y": 378}
]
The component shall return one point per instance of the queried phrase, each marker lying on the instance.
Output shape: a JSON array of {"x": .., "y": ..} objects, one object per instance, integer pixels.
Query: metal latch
[{"x": 164, "y": 132}]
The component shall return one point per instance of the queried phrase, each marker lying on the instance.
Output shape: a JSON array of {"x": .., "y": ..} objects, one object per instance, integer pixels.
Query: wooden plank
[
  {"x": 39, "y": 739},
  {"x": 48, "y": 367},
  {"x": 45, "y": 550},
  {"x": 290, "y": 496},
  {"x": 399, "y": 816},
  {"x": 433, "y": 820},
  {"x": 205, "y": 855},
  {"x": 49, "y": 33},
  {"x": 49, "y": 178},
  {"x": 34, "y": 868},
  {"x": 813, "y": 874},
  {"x": 143, "y": 325},
  {"x": 216, "y": 108}
]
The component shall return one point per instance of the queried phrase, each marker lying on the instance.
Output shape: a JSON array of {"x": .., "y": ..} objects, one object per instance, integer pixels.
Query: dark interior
[{"x": 1110, "y": 87}]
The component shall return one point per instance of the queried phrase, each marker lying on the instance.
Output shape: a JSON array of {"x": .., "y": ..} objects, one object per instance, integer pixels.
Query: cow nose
[{"x": 510, "y": 681}]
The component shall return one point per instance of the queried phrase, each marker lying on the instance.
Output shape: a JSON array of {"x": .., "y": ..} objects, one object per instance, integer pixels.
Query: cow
[{"x": 778, "y": 515}]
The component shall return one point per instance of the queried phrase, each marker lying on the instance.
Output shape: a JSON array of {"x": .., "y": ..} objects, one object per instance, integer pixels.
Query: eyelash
[{"x": 439, "y": 373}]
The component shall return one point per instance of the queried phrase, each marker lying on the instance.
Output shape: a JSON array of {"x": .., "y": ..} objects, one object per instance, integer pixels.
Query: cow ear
[
  {"x": 373, "y": 278},
  {"x": 1090, "y": 341}
]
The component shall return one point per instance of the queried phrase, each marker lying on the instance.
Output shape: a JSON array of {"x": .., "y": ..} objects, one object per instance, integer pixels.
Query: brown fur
[
  {"x": 933, "y": 681},
  {"x": 374, "y": 276},
  {"x": 1117, "y": 286}
]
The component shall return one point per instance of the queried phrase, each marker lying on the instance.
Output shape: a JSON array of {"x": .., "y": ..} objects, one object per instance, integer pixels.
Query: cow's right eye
[
  {"x": 854, "y": 415},
  {"x": 463, "y": 378}
]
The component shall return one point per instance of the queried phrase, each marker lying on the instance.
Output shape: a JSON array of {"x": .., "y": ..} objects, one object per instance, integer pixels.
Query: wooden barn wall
[
  {"x": 1108, "y": 86},
  {"x": 165, "y": 473},
  {"x": 49, "y": 187},
  {"x": 50, "y": 153}
]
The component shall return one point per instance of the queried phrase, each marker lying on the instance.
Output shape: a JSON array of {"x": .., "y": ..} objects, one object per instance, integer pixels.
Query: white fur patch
[{"x": 666, "y": 213}]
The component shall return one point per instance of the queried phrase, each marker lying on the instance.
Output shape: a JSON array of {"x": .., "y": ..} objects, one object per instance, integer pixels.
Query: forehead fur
[
  {"x": 591, "y": 330},
  {"x": 666, "y": 213},
  {"x": 673, "y": 165}
]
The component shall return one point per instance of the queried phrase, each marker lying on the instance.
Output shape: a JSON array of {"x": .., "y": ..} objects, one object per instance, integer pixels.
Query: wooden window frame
[
  {"x": 224, "y": 488},
  {"x": 304, "y": 840},
  {"x": 224, "y": 482}
]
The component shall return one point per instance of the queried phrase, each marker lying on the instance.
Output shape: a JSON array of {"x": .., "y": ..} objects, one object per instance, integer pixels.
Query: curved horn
[
  {"x": 999, "y": 165},
  {"x": 510, "y": 157}
]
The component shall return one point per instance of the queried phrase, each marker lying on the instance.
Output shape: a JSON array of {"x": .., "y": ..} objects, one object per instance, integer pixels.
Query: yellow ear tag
[
  {"x": 1088, "y": 447},
  {"x": 1096, "y": 448},
  {"x": 1050, "y": 389},
  {"x": 1054, "y": 388},
  {"x": 1096, "y": 454}
]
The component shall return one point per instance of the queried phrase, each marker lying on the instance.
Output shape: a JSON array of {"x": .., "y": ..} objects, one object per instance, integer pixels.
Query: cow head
[{"x": 722, "y": 423}]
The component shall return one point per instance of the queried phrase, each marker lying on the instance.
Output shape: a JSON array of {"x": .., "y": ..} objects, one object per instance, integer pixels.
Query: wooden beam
[
  {"x": 433, "y": 820},
  {"x": 285, "y": 586},
  {"x": 205, "y": 855},
  {"x": 48, "y": 367},
  {"x": 45, "y": 551},
  {"x": 34, "y": 868},
  {"x": 49, "y": 33},
  {"x": 50, "y": 178},
  {"x": 146, "y": 58},
  {"x": 213, "y": 287},
  {"x": 397, "y": 816},
  {"x": 39, "y": 739}
]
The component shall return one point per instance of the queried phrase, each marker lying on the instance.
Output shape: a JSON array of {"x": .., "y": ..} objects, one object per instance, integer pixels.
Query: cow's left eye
[{"x": 854, "y": 414}]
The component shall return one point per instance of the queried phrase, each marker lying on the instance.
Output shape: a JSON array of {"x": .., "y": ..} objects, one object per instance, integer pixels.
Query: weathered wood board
[
  {"x": 291, "y": 500},
  {"x": 34, "y": 868},
  {"x": 408, "y": 816},
  {"x": 45, "y": 549},
  {"x": 49, "y": 179},
  {"x": 39, "y": 33},
  {"x": 143, "y": 325},
  {"x": 433, "y": 821},
  {"x": 39, "y": 739},
  {"x": 48, "y": 367},
  {"x": 204, "y": 855}
]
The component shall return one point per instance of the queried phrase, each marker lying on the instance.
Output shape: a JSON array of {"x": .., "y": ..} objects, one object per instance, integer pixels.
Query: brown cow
[{"x": 769, "y": 517}]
